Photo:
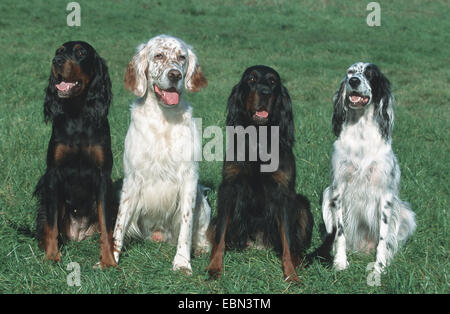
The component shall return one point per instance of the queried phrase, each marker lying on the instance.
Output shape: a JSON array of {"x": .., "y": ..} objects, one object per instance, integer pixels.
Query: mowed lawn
[{"x": 310, "y": 43}]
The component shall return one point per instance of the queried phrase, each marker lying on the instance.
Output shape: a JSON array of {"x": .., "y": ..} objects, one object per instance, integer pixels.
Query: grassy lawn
[{"x": 310, "y": 43}]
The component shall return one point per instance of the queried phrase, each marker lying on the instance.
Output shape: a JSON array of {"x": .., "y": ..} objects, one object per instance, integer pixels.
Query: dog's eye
[
  {"x": 182, "y": 58},
  {"x": 251, "y": 79},
  {"x": 81, "y": 53},
  {"x": 159, "y": 56},
  {"x": 272, "y": 80},
  {"x": 351, "y": 72}
]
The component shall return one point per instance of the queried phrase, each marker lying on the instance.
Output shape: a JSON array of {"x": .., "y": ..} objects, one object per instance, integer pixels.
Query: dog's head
[
  {"x": 363, "y": 85},
  {"x": 261, "y": 87},
  {"x": 163, "y": 66},
  {"x": 78, "y": 77},
  {"x": 73, "y": 68},
  {"x": 261, "y": 99}
]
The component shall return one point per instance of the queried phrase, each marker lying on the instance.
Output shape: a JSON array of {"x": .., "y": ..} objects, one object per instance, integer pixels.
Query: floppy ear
[
  {"x": 195, "y": 80},
  {"x": 235, "y": 106},
  {"x": 340, "y": 111},
  {"x": 99, "y": 94},
  {"x": 52, "y": 105},
  {"x": 136, "y": 75},
  {"x": 284, "y": 118},
  {"x": 383, "y": 104}
]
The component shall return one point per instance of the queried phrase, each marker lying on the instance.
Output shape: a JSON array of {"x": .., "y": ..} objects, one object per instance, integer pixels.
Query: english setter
[
  {"x": 362, "y": 204},
  {"x": 160, "y": 198}
]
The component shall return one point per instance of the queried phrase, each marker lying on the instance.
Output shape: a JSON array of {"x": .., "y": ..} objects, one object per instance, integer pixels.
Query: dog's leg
[
  {"x": 215, "y": 266},
  {"x": 333, "y": 219},
  {"x": 302, "y": 230},
  {"x": 105, "y": 223},
  {"x": 324, "y": 251},
  {"x": 48, "y": 215},
  {"x": 327, "y": 211},
  {"x": 335, "y": 204},
  {"x": 123, "y": 218},
  {"x": 202, "y": 218},
  {"x": 227, "y": 200},
  {"x": 287, "y": 259},
  {"x": 385, "y": 246},
  {"x": 51, "y": 232},
  {"x": 188, "y": 197}
]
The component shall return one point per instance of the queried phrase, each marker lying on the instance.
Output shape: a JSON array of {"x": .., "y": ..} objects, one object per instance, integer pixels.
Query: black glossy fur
[
  {"x": 76, "y": 189},
  {"x": 254, "y": 204}
]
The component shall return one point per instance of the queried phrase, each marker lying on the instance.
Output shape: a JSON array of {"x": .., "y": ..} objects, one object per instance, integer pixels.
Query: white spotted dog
[
  {"x": 362, "y": 203},
  {"x": 161, "y": 199}
]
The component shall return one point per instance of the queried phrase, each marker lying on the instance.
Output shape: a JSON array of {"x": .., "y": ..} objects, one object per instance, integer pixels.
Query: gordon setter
[
  {"x": 75, "y": 193},
  {"x": 255, "y": 206}
]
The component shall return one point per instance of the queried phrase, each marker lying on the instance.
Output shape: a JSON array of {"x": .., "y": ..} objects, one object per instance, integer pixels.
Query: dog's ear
[
  {"x": 136, "y": 75},
  {"x": 235, "y": 106},
  {"x": 195, "y": 79},
  {"x": 52, "y": 105},
  {"x": 284, "y": 117},
  {"x": 99, "y": 94},
  {"x": 383, "y": 103},
  {"x": 340, "y": 111}
]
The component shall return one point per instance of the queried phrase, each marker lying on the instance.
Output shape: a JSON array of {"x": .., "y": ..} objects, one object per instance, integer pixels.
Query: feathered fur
[
  {"x": 75, "y": 192},
  {"x": 161, "y": 198},
  {"x": 254, "y": 206},
  {"x": 362, "y": 202}
]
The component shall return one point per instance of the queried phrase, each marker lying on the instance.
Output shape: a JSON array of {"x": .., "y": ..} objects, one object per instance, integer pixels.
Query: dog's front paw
[
  {"x": 116, "y": 256},
  {"x": 53, "y": 256},
  {"x": 340, "y": 263},
  {"x": 379, "y": 268},
  {"x": 202, "y": 248},
  {"x": 180, "y": 263}
]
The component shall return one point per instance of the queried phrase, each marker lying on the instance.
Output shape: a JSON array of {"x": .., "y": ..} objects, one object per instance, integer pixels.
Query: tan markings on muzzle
[
  {"x": 71, "y": 71},
  {"x": 252, "y": 100}
]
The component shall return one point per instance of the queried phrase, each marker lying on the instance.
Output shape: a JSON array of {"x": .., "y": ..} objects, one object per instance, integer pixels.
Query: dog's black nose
[
  {"x": 265, "y": 92},
  {"x": 174, "y": 75},
  {"x": 58, "y": 61},
  {"x": 354, "y": 82}
]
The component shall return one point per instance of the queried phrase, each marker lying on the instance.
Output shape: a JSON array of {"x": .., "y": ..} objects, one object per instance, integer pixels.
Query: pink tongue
[
  {"x": 262, "y": 114},
  {"x": 355, "y": 98},
  {"x": 170, "y": 98},
  {"x": 63, "y": 86}
]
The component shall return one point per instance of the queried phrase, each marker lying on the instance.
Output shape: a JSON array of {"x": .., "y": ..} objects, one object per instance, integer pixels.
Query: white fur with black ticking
[
  {"x": 362, "y": 204},
  {"x": 160, "y": 198}
]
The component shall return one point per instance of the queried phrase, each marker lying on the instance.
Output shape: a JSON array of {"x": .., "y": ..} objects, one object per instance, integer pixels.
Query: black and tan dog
[
  {"x": 256, "y": 206},
  {"x": 75, "y": 193}
]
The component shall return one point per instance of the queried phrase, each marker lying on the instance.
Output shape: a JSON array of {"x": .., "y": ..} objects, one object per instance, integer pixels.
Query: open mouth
[
  {"x": 170, "y": 96},
  {"x": 261, "y": 116},
  {"x": 358, "y": 100},
  {"x": 66, "y": 89}
]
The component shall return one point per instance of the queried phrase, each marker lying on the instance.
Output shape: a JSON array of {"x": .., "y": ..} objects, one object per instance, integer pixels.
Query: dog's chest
[
  {"x": 361, "y": 156},
  {"x": 66, "y": 154},
  {"x": 158, "y": 150}
]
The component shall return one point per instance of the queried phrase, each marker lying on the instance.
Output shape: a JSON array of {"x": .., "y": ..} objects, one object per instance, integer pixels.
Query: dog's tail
[{"x": 323, "y": 252}]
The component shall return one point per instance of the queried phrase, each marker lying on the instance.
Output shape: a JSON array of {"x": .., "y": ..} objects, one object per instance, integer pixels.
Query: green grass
[{"x": 310, "y": 43}]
